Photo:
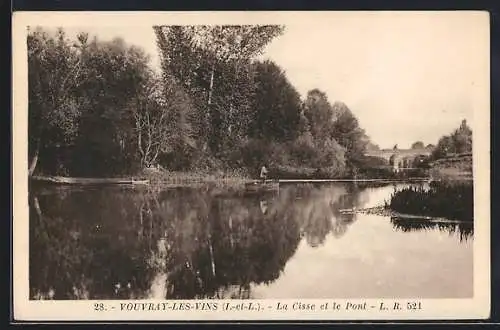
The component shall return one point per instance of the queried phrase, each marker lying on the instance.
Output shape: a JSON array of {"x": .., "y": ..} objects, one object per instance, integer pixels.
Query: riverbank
[
  {"x": 86, "y": 181},
  {"x": 163, "y": 177},
  {"x": 458, "y": 167},
  {"x": 387, "y": 212},
  {"x": 448, "y": 199},
  {"x": 173, "y": 179}
]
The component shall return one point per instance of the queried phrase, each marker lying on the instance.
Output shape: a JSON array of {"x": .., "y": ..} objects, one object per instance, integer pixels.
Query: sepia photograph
[{"x": 305, "y": 157}]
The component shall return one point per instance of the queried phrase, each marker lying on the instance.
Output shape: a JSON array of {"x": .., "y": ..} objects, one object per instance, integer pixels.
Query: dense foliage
[
  {"x": 82, "y": 99},
  {"x": 449, "y": 199},
  {"x": 98, "y": 109},
  {"x": 458, "y": 142}
]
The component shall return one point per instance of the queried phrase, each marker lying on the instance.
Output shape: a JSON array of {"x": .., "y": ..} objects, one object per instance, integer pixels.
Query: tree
[
  {"x": 54, "y": 74},
  {"x": 150, "y": 122},
  {"x": 96, "y": 108},
  {"x": 319, "y": 113},
  {"x": 349, "y": 134},
  {"x": 84, "y": 98},
  {"x": 421, "y": 161},
  {"x": 232, "y": 103},
  {"x": 202, "y": 58},
  {"x": 372, "y": 147},
  {"x": 277, "y": 106},
  {"x": 462, "y": 138},
  {"x": 224, "y": 43},
  {"x": 162, "y": 120},
  {"x": 444, "y": 147},
  {"x": 460, "y": 141},
  {"x": 417, "y": 145},
  {"x": 107, "y": 137},
  {"x": 335, "y": 125},
  {"x": 182, "y": 62}
]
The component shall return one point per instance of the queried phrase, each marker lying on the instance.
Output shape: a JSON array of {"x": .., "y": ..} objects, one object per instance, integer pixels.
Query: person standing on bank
[{"x": 263, "y": 173}]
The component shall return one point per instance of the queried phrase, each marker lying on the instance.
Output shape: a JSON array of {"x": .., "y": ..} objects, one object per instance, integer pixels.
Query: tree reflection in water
[
  {"x": 464, "y": 230},
  {"x": 81, "y": 246},
  {"x": 317, "y": 209},
  {"x": 119, "y": 243}
]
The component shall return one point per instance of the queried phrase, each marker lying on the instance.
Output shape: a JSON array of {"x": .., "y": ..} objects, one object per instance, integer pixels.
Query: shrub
[{"x": 449, "y": 199}]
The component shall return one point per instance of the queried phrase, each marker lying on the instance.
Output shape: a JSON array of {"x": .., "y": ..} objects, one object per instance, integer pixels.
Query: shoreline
[
  {"x": 197, "y": 179},
  {"x": 386, "y": 212}
]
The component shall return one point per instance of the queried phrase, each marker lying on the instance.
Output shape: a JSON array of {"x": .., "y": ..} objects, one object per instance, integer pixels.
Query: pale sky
[{"x": 406, "y": 76}]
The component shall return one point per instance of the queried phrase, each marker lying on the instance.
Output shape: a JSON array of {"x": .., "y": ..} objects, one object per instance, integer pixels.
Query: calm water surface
[{"x": 124, "y": 243}]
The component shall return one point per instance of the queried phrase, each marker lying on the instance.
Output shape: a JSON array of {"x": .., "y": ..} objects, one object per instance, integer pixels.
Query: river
[{"x": 205, "y": 242}]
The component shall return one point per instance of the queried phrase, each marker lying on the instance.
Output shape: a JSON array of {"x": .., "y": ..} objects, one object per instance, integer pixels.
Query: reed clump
[{"x": 451, "y": 199}]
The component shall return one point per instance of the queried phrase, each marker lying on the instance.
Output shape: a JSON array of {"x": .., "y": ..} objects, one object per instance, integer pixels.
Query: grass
[
  {"x": 452, "y": 199},
  {"x": 172, "y": 178},
  {"x": 291, "y": 172},
  {"x": 453, "y": 168},
  {"x": 387, "y": 173}
]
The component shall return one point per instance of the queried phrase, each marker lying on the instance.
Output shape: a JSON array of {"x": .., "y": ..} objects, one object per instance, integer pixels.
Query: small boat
[
  {"x": 88, "y": 181},
  {"x": 259, "y": 186}
]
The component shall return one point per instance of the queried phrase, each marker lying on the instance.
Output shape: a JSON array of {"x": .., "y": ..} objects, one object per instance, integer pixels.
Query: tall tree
[
  {"x": 115, "y": 73},
  {"x": 162, "y": 113},
  {"x": 320, "y": 122},
  {"x": 349, "y": 134},
  {"x": 226, "y": 43},
  {"x": 460, "y": 141},
  {"x": 462, "y": 138},
  {"x": 232, "y": 103},
  {"x": 54, "y": 74},
  {"x": 319, "y": 113},
  {"x": 277, "y": 109},
  {"x": 205, "y": 59},
  {"x": 80, "y": 92}
]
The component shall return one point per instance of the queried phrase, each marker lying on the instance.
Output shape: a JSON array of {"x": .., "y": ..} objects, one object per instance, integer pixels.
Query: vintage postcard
[{"x": 251, "y": 166}]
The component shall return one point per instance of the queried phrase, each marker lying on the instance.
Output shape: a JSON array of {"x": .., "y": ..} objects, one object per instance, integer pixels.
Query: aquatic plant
[{"x": 448, "y": 199}]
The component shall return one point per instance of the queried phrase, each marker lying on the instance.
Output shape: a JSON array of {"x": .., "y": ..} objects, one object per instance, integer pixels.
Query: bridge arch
[{"x": 400, "y": 158}]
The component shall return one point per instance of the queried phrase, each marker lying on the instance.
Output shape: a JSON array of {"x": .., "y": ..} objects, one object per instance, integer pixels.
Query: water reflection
[
  {"x": 464, "y": 230},
  {"x": 119, "y": 243}
]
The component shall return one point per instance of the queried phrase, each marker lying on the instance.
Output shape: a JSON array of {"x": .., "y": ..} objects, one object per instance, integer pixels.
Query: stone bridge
[{"x": 399, "y": 158}]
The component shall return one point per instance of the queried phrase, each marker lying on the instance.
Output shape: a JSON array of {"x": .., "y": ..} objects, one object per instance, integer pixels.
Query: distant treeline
[
  {"x": 452, "y": 157},
  {"x": 458, "y": 143},
  {"x": 99, "y": 109}
]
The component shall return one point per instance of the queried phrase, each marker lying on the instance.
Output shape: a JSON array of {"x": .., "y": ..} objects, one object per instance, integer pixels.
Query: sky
[{"x": 406, "y": 76}]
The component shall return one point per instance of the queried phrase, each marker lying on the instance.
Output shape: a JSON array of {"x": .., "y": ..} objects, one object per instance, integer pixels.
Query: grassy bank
[
  {"x": 243, "y": 176},
  {"x": 452, "y": 199},
  {"x": 165, "y": 177},
  {"x": 288, "y": 172},
  {"x": 278, "y": 172},
  {"x": 385, "y": 173},
  {"x": 458, "y": 167}
]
